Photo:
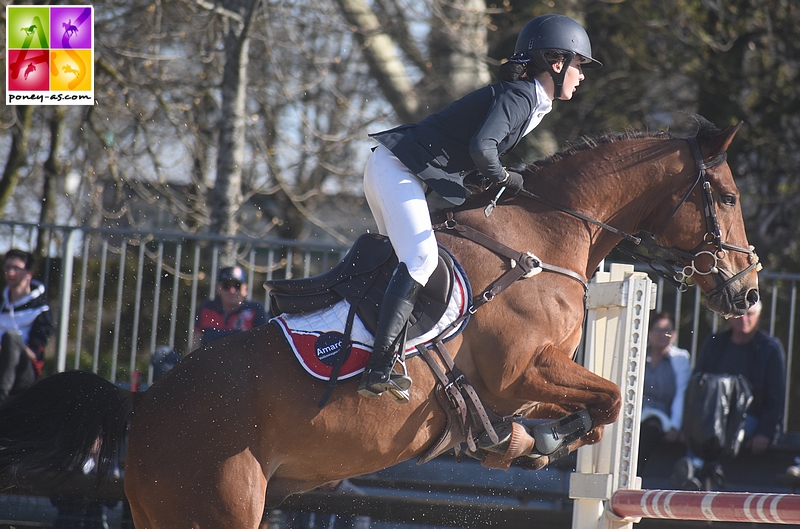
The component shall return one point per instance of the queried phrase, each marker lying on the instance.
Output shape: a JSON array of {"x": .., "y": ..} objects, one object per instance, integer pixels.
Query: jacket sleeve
[
  {"x": 509, "y": 111},
  {"x": 41, "y": 329},
  {"x": 771, "y": 421}
]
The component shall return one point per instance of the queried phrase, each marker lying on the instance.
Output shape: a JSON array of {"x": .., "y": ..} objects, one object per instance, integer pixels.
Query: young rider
[{"x": 463, "y": 141}]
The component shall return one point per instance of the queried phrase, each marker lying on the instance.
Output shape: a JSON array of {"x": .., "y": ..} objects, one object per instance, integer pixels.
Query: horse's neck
[
  {"x": 624, "y": 185},
  {"x": 632, "y": 190}
]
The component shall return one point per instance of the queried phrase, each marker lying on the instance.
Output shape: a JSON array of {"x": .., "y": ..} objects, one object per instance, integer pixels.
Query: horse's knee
[{"x": 606, "y": 407}]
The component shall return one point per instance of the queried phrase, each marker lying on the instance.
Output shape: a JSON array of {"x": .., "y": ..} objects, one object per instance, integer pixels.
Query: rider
[{"x": 461, "y": 143}]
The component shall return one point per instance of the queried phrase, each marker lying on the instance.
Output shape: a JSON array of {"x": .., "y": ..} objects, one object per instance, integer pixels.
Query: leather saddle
[{"x": 361, "y": 278}]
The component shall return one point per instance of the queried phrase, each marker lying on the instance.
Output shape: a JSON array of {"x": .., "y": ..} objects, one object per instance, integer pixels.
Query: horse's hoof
[{"x": 532, "y": 461}]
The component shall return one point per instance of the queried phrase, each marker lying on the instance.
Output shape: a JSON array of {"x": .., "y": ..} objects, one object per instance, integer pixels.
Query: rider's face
[{"x": 572, "y": 79}]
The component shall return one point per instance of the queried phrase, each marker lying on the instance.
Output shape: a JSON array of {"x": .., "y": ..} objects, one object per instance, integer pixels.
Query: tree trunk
[
  {"x": 16, "y": 156},
  {"x": 383, "y": 59},
  {"x": 226, "y": 197},
  {"x": 458, "y": 45},
  {"x": 52, "y": 171}
]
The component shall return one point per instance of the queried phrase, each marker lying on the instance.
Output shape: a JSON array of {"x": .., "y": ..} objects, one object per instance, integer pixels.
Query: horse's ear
[{"x": 722, "y": 141}]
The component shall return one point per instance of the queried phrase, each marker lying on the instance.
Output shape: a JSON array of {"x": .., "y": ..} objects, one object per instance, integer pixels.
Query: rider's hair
[{"x": 514, "y": 70}]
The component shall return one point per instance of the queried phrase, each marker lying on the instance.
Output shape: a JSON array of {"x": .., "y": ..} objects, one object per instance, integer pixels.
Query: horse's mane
[{"x": 705, "y": 130}]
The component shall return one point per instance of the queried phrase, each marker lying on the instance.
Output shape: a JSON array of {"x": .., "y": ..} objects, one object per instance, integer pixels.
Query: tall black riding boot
[{"x": 396, "y": 307}]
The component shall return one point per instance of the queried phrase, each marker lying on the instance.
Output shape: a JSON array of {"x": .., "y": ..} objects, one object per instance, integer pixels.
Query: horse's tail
[{"x": 63, "y": 421}]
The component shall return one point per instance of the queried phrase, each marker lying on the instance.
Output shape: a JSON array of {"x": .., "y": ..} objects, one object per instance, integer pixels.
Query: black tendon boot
[{"x": 396, "y": 307}]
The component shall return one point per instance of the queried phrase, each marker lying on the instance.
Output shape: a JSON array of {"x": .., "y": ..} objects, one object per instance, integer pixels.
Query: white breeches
[{"x": 396, "y": 197}]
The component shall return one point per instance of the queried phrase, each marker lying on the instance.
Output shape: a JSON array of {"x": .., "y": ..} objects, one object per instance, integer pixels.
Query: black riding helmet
[{"x": 554, "y": 32}]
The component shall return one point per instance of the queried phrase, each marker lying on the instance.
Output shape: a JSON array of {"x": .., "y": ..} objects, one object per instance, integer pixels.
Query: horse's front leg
[
  {"x": 559, "y": 386},
  {"x": 555, "y": 379}
]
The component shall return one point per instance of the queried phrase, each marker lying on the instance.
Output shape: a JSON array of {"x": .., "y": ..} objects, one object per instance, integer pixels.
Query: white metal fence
[{"x": 118, "y": 294}]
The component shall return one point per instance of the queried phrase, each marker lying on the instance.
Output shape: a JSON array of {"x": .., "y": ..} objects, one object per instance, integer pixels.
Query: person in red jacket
[
  {"x": 26, "y": 324},
  {"x": 230, "y": 311}
]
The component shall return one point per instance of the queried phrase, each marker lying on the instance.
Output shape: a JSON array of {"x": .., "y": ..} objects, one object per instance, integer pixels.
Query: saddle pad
[{"x": 316, "y": 337}]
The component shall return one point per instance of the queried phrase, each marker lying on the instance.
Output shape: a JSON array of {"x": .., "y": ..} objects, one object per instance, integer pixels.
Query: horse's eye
[{"x": 729, "y": 200}]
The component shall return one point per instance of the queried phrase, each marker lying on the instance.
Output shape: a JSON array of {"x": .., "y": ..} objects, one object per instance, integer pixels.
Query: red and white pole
[{"x": 707, "y": 506}]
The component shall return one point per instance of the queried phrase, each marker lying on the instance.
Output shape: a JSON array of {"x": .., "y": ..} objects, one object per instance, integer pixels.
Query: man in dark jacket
[
  {"x": 26, "y": 323},
  {"x": 759, "y": 358},
  {"x": 746, "y": 350}
]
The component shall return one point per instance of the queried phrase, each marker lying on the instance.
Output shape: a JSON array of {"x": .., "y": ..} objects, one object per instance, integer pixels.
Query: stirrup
[
  {"x": 400, "y": 395},
  {"x": 374, "y": 388},
  {"x": 374, "y": 383}
]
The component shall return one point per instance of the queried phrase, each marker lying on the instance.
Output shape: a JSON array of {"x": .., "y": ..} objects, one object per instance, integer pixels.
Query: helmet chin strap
[{"x": 558, "y": 77}]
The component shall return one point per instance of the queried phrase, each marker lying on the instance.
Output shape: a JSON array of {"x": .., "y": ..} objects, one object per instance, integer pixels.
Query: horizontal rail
[{"x": 707, "y": 506}]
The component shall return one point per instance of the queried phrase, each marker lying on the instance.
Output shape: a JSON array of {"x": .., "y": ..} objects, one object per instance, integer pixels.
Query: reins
[
  {"x": 627, "y": 236},
  {"x": 670, "y": 269}
]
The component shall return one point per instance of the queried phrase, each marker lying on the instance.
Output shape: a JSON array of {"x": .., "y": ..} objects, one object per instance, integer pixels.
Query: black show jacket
[{"x": 466, "y": 138}]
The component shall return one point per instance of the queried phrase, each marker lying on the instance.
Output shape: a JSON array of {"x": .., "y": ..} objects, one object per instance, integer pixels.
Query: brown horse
[{"x": 236, "y": 426}]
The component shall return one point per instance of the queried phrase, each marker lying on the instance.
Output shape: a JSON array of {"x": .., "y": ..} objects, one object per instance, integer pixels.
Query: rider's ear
[{"x": 557, "y": 67}]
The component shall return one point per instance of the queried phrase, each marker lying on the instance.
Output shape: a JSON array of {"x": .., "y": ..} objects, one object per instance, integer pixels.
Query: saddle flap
[
  {"x": 434, "y": 297},
  {"x": 429, "y": 307}
]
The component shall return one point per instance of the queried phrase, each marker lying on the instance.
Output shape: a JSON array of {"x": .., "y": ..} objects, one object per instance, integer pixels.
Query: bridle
[{"x": 669, "y": 266}]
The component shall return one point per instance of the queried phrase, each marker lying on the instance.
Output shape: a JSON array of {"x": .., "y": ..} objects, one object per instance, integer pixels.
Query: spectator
[
  {"x": 229, "y": 311},
  {"x": 666, "y": 374},
  {"x": 317, "y": 520},
  {"x": 746, "y": 350},
  {"x": 759, "y": 358},
  {"x": 26, "y": 324}
]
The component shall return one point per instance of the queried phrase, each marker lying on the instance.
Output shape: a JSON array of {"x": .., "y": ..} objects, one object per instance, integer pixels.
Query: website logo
[{"x": 49, "y": 55}]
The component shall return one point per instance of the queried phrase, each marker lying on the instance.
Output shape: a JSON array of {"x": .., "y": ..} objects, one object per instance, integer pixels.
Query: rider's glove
[{"x": 513, "y": 182}]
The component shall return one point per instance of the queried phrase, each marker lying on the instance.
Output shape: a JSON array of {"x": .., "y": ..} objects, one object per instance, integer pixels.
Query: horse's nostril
[{"x": 752, "y": 297}]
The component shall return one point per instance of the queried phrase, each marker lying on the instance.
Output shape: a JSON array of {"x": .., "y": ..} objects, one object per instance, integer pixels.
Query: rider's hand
[{"x": 513, "y": 182}]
